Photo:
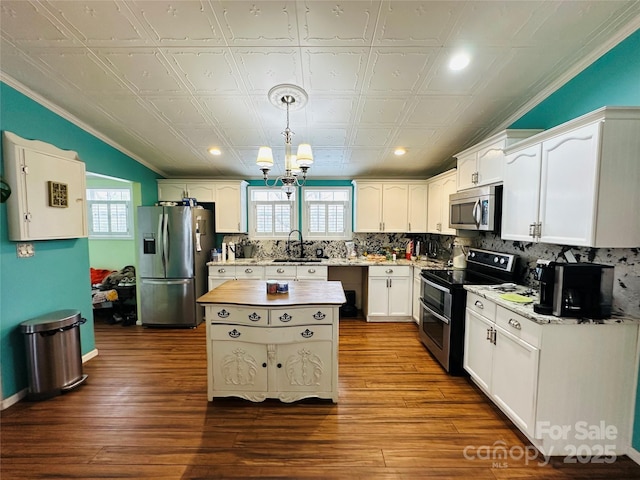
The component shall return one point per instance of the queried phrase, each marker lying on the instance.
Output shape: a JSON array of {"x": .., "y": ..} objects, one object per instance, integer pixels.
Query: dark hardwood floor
[{"x": 143, "y": 413}]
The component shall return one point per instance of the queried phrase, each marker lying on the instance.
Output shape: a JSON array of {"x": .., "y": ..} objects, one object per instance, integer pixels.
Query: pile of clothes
[{"x": 112, "y": 279}]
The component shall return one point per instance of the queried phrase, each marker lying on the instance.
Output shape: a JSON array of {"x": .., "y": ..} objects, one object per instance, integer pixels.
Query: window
[
  {"x": 109, "y": 211},
  {"x": 326, "y": 212},
  {"x": 272, "y": 215}
]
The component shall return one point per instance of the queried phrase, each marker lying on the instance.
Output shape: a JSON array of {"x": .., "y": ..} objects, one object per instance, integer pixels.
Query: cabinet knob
[
  {"x": 515, "y": 323},
  {"x": 264, "y": 364},
  {"x": 248, "y": 270},
  {"x": 221, "y": 270},
  {"x": 479, "y": 304},
  {"x": 280, "y": 270},
  {"x": 389, "y": 270},
  {"x": 312, "y": 270},
  {"x": 279, "y": 365}
]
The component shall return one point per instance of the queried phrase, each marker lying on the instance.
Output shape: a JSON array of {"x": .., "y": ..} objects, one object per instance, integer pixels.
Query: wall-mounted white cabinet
[
  {"x": 576, "y": 184},
  {"x": 483, "y": 164},
  {"x": 390, "y": 206},
  {"x": 48, "y": 199},
  {"x": 438, "y": 190},
  {"x": 230, "y": 197}
]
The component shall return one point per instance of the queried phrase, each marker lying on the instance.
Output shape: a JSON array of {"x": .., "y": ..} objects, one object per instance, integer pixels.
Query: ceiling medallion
[{"x": 287, "y": 97}]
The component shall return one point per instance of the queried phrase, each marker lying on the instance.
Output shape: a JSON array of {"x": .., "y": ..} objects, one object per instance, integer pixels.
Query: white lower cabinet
[
  {"x": 312, "y": 272},
  {"x": 389, "y": 293},
  {"x": 556, "y": 382},
  {"x": 286, "y": 353},
  {"x": 218, "y": 274}
]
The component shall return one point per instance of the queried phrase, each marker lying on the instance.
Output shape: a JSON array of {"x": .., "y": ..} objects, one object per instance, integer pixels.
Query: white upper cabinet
[
  {"x": 176, "y": 190},
  {"x": 418, "y": 196},
  {"x": 381, "y": 206},
  {"x": 230, "y": 197},
  {"x": 48, "y": 199},
  {"x": 438, "y": 190},
  {"x": 576, "y": 184},
  {"x": 483, "y": 163}
]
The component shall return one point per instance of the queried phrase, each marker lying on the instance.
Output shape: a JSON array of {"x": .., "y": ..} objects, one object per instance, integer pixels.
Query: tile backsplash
[{"x": 626, "y": 288}]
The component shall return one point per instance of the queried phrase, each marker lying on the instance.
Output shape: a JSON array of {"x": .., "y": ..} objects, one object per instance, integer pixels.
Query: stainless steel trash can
[{"x": 54, "y": 356}]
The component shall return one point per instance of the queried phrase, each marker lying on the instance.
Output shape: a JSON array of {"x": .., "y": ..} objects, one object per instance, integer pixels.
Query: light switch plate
[{"x": 25, "y": 250}]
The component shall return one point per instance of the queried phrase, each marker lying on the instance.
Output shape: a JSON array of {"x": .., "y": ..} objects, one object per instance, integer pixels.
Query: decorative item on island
[{"x": 262, "y": 345}]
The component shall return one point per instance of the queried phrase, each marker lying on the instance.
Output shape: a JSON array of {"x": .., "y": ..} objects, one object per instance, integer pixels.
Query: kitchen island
[{"x": 282, "y": 345}]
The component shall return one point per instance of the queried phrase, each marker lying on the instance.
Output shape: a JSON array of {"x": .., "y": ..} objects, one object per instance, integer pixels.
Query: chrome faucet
[{"x": 289, "y": 244}]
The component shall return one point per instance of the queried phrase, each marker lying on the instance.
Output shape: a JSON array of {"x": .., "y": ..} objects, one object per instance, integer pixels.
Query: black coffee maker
[
  {"x": 545, "y": 273},
  {"x": 583, "y": 290}
]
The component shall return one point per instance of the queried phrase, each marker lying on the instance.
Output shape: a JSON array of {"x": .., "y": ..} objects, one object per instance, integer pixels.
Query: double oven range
[{"x": 443, "y": 301}]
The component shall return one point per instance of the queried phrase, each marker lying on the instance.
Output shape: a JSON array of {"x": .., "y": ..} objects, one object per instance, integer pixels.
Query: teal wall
[
  {"x": 613, "y": 80},
  {"x": 57, "y": 277}
]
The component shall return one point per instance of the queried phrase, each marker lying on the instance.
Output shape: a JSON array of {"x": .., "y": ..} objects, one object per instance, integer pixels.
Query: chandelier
[{"x": 288, "y": 97}]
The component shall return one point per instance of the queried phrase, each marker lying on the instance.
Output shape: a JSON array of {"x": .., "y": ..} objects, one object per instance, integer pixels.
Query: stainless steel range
[{"x": 443, "y": 300}]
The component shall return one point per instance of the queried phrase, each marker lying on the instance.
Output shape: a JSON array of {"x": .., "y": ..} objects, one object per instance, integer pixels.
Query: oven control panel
[{"x": 504, "y": 262}]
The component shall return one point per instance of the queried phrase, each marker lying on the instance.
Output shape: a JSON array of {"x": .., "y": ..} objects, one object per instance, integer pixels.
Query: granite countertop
[
  {"x": 430, "y": 263},
  {"x": 526, "y": 309}
]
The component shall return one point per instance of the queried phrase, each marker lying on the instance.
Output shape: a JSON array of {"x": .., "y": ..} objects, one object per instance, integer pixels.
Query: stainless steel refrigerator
[{"x": 175, "y": 245}]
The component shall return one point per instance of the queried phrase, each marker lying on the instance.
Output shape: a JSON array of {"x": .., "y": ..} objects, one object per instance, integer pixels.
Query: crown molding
[{"x": 74, "y": 120}]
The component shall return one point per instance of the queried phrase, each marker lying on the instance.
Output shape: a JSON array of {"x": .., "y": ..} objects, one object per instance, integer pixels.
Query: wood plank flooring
[{"x": 143, "y": 413}]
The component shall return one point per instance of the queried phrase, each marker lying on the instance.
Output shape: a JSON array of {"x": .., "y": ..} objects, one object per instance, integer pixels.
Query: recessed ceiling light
[
  {"x": 459, "y": 61},
  {"x": 215, "y": 151},
  {"x": 399, "y": 151}
]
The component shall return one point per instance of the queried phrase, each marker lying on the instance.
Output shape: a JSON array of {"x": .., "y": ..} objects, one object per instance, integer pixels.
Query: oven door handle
[
  {"x": 435, "y": 285},
  {"x": 435, "y": 314}
]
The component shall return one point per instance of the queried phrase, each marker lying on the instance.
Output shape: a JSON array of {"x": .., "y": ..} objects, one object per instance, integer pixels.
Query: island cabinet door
[
  {"x": 238, "y": 359},
  {"x": 307, "y": 365}
]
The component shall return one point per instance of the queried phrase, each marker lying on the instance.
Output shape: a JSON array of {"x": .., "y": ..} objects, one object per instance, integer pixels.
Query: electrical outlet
[{"x": 25, "y": 250}]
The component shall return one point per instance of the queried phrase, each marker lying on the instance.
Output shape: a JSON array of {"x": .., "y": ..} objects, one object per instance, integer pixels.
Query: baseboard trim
[
  {"x": 634, "y": 455},
  {"x": 13, "y": 399},
  {"x": 88, "y": 356}
]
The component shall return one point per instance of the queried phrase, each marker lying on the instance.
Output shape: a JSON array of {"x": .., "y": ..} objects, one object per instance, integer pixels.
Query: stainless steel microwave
[{"x": 475, "y": 209}]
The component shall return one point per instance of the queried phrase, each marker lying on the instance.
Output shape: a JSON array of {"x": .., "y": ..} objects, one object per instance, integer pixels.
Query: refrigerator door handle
[
  {"x": 165, "y": 243},
  {"x": 161, "y": 241},
  {"x": 164, "y": 282}
]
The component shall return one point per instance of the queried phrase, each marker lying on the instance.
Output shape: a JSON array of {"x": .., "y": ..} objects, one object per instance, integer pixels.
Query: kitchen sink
[{"x": 297, "y": 260}]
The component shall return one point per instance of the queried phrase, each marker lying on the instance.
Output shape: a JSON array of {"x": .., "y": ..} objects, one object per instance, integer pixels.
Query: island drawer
[
  {"x": 301, "y": 316},
  {"x": 269, "y": 335},
  {"x": 481, "y": 306},
  {"x": 249, "y": 272},
  {"x": 235, "y": 314},
  {"x": 519, "y": 326}
]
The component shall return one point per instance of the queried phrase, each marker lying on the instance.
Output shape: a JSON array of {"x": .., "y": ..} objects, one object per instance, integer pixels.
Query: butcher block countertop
[{"x": 254, "y": 292}]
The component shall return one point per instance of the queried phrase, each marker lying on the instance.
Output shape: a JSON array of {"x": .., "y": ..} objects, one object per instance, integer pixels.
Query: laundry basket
[{"x": 54, "y": 355}]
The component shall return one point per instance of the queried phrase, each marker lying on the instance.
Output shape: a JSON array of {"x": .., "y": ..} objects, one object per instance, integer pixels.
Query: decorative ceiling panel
[{"x": 165, "y": 80}]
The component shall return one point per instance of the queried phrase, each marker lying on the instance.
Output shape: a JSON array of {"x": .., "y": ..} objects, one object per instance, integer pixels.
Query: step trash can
[{"x": 54, "y": 356}]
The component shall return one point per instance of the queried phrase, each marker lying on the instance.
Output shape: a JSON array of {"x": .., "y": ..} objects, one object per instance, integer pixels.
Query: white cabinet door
[
  {"x": 568, "y": 187},
  {"x": 478, "y": 349},
  {"x": 171, "y": 191},
  {"x": 520, "y": 195},
  {"x": 490, "y": 164},
  {"x": 466, "y": 170},
  {"x": 395, "y": 202},
  {"x": 238, "y": 366},
  {"x": 231, "y": 207},
  {"x": 400, "y": 296},
  {"x": 417, "y": 221},
  {"x": 368, "y": 215},
  {"x": 434, "y": 207},
  {"x": 304, "y": 366},
  {"x": 448, "y": 187},
  {"x": 202, "y": 192},
  {"x": 378, "y": 298},
  {"x": 514, "y": 383}
]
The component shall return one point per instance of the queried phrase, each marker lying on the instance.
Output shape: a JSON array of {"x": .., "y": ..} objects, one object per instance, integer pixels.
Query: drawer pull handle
[
  {"x": 223, "y": 313},
  {"x": 221, "y": 270},
  {"x": 319, "y": 315},
  {"x": 515, "y": 324},
  {"x": 234, "y": 333},
  {"x": 280, "y": 270},
  {"x": 254, "y": 317},
  {"x": 389, "y": 270},
  {"x": 285, "y": 318},
  {"x": 307, "y": 333},
  {"x": 248, "y": 270},
  {"x": 312, "y": 270},
  {"x": 479, "y": 304}
]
